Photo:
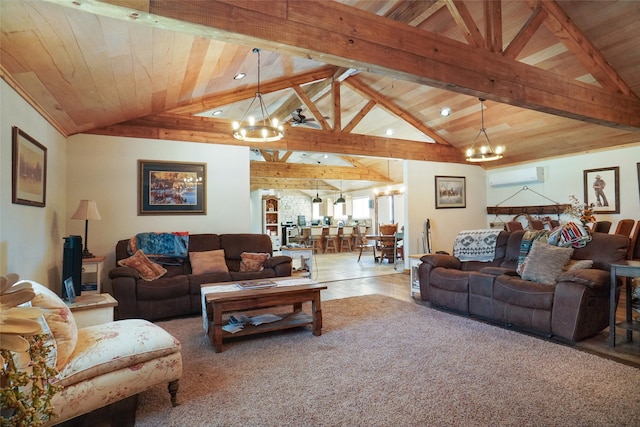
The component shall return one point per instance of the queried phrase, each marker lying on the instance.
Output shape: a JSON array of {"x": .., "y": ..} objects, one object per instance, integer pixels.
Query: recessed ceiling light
[
  {"x": 326, "y": 156},
  {"x": 239, "y": 76},
  {"x": 216, "y": 113},
  {"x": 389, "y": 132},
  {"x": 445, "y": 112}
]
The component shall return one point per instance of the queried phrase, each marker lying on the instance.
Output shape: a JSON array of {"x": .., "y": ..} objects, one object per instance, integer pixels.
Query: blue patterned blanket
[
  {"x": 476, "y": 245},
  {"x": 165, "y": 248}
]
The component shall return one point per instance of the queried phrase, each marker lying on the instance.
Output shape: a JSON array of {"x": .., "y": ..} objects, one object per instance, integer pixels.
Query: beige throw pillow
[
  {"x": 148, "y": 269},
  {"x": 208, "y": 262},
  {"x": 578, "y": 264},
  {"x": 252, "y": 261},
  {"x": 59, "y": 319},
  {"x": 545, "y": 262}
]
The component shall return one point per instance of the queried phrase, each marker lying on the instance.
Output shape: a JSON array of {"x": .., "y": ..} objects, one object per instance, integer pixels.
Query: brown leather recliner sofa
[
  {"x": 177, "y": 292},
  {"x": 576, "y": 308}
]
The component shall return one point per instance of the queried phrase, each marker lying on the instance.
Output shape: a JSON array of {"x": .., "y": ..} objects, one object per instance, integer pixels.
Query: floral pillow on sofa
[{"x": 253, "y": 261}]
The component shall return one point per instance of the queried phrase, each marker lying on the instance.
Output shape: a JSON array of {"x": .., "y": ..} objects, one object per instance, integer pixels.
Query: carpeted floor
[{"x": 385, "y": 362}]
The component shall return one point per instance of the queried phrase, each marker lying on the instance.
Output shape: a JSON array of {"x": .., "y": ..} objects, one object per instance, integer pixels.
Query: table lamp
[{"x": 87, "y": 210}]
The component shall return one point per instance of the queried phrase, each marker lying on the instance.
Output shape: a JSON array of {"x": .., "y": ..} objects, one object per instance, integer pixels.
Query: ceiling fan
[{"x": 298, "y": 119}]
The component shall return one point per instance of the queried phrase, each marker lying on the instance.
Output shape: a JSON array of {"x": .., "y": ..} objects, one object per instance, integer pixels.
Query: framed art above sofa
[
  {"x": 602, "y": 189},
  {"x": 171, "y": 188}
]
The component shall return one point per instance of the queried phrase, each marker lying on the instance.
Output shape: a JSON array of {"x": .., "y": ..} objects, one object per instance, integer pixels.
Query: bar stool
[
  {"x": 332, "y": 239},
  {"x": 315, "y": 238},
  {"x": 347, "y": 236}
]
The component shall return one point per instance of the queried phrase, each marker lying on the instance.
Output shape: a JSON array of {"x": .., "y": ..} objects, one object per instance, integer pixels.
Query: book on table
[{"x": 256, "y": 284}]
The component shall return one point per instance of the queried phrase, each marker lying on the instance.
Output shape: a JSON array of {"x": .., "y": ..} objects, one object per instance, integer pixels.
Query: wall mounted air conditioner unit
[{"x": 517, "y": 176}]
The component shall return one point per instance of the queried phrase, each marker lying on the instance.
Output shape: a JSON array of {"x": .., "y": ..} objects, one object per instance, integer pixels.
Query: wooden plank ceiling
[{"x": 559, "y": 77}]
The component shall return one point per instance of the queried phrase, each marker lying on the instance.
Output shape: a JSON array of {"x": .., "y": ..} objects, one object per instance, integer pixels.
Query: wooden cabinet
[{"x": 271, "y": 220}]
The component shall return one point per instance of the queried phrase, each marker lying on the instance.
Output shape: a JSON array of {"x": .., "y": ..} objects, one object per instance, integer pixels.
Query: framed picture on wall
[
  {"x": 451, "y": 192},
  {"x": 28, "y": 170},
  {"x": 602, "y": 189},
  {"x": 171, "y": 188}
]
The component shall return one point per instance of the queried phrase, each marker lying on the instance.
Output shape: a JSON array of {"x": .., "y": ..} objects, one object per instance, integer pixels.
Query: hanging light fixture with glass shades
[
  {"x": 340, "y": 199},
  {"x": 316, "y": 199},
  {"x": 252, "y": 130},
  {"x": 484, "y": 153}
]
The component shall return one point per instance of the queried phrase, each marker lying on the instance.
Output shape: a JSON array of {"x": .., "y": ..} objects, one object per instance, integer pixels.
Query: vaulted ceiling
[{"x": 559, "y": 77}]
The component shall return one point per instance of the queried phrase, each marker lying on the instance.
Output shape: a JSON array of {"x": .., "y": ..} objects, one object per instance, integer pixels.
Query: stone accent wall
[{"x": 292, "y": 204}]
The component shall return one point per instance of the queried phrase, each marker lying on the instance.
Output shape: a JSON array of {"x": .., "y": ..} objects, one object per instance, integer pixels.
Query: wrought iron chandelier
[
  {"x": 251, "y": 130},
  {"x": 486, "y": 152}
]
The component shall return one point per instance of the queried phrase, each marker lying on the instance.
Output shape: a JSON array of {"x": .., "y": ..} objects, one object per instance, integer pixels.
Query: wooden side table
[
  {"x": 92, "y": 271},
  {"x": 414, "y": 264},
  {"x": 89, "y": 310},
  {"x": 626, "y": 269}
]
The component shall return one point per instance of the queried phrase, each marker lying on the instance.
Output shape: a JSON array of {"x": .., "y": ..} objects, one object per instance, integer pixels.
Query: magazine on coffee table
[{"x": 256, "y": 284}]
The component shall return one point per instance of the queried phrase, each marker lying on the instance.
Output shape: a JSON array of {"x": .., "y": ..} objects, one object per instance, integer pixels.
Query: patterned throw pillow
[
  {"x": 208, "y": 262},
  {"x": 252, "y": 261},
  {"x": 148, "y": 269},
  {"x": 545, "y": 262}
]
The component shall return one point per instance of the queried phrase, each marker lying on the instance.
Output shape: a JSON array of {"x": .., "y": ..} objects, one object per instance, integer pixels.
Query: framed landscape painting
[
  {"x": 451, "y": 192},
  {"x": 602, "y": 188},
  {"x": 28, "y": 170},
  {"x": 171, "y": 188}
]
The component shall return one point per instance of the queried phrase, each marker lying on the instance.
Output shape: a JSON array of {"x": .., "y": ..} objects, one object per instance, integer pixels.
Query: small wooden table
[
  {"x": 215, "y": 304},
  {"x": 626, "y": 269},
  {"x": 303, "y": 253},
  {"x": 89, "y": 310}
]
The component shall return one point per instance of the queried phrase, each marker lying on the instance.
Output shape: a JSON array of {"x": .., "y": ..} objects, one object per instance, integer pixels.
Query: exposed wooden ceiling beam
[
  {"x": 493, "y": 25},
  {"x": 414, "y": 12},
  {"x": 527, "y": 31},
  {"x": 235, "y": 95},
  {"x": 257, "y": 183},
  {"x": 216, "y": 131},
  {"x": 344, "y": 36},
  {"x": 580, "y": 45},
  {"x": 465, "y": 22},
  {"x": 306, "y": 100},
  {"x": 356, "y": 83},
  {"x": 305, "y": 171}
]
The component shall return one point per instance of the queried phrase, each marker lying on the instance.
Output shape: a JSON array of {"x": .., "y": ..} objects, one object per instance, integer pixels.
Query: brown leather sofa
[
  {"x": 177, "y": 292},
  {"x": 576, "y": 308}
]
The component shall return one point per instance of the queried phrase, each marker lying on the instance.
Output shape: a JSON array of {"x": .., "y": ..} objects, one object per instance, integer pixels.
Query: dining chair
[
  {"x": 625, "y": 227},
  {"x": 387, "y": 243},
  {"x": 363, "y": 243},
  {"x": 634, "y": 248},
  {"x": 601, "y": 226}
]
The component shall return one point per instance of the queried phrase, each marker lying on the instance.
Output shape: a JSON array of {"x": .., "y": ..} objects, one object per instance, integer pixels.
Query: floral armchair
[{"x": 102, "y": 364}]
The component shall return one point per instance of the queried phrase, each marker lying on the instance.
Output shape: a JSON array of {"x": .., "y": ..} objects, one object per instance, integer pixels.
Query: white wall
[
  {"x": 419, "y": 180},
  {"x": 31, "y": 238},
  {"x": 105, "y": 169},
  {"x": 565, "y": 177}
]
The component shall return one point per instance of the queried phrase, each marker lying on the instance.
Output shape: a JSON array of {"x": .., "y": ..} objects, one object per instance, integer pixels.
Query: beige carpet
[{"x": 384, "y": 362}]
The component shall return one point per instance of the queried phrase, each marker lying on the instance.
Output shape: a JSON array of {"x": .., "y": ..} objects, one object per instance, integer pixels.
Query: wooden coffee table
[{"x": 216, "y": 304}]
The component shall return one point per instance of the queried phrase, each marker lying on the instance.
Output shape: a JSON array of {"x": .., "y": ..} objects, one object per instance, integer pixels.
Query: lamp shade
[{"x": 87, "y": 210}]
